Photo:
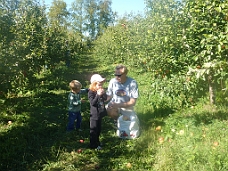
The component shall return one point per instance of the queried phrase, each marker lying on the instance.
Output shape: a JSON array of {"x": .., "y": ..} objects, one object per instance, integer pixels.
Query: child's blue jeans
[{"x": 72, "y": 116}]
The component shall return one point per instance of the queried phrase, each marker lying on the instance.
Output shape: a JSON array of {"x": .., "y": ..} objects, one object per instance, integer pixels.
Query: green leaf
[{"x": 219, "y": 9}]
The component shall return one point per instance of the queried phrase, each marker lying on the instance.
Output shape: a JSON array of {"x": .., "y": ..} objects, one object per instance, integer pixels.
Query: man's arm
[{"x": 130, "y": 103}]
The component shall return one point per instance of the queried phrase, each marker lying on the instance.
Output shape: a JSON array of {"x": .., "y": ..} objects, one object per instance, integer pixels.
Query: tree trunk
[{"x": 211, "y": 90}]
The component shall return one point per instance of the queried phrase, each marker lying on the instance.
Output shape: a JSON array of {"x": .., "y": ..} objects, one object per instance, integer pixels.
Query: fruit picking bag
[{"x": 128, "y": 129}]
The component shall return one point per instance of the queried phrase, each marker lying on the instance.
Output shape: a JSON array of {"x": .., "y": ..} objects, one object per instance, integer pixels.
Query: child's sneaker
[
  {"x": 99, "y": 148},
  {"x": 80, "y": 130}
]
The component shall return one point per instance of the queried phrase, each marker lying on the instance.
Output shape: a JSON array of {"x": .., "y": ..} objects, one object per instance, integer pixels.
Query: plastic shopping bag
[{"x": 128, "y": 129}]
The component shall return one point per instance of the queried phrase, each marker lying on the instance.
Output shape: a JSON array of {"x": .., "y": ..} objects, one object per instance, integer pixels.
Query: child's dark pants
[
  {"x": 72, "y": 116},
  {"x": 95, "y": 130}
]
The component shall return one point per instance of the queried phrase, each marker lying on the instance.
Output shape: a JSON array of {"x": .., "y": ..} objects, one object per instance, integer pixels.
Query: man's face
[{"x": 120, "y": 75}]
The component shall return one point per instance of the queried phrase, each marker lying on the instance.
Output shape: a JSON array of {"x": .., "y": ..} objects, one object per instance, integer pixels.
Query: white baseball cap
[{"x": 97, "y": 78}]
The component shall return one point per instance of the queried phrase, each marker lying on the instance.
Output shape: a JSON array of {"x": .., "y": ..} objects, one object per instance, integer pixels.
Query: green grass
[{"x": 192, "y": 138}]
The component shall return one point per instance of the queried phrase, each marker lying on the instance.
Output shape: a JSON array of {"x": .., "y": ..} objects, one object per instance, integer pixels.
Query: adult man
[{"x": 122, "y": 93}]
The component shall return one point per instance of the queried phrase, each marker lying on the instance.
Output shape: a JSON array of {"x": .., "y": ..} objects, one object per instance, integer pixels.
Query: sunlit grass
[{"x": 191, "y": 143}]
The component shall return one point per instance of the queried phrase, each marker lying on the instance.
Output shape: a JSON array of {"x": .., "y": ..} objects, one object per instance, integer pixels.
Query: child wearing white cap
[{"x": 96, "y": 96}]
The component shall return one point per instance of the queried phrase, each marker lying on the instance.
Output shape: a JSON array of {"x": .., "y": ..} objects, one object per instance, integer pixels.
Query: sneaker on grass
[{"x": 99, "y": 148}]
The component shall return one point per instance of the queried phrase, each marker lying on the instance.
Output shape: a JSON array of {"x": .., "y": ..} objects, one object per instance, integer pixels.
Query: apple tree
[
  {"x": 207, "y": 42},
  {"x": 23, "y": 42}
]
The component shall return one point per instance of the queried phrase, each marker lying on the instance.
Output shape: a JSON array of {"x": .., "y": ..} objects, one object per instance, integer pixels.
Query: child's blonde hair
[
  {"x": 75, "y": 85},
  {"x": 92, "y": 86}
]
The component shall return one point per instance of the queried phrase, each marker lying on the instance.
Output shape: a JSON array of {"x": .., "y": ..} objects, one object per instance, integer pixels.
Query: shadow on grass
[
  {"x": 207, "y": 117},
  {"x": 154, "y": 118},
  {"x": 36, "y": 125}
]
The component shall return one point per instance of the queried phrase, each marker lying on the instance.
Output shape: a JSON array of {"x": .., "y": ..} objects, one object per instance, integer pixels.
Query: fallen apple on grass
[
  {"x": 161, "y": 140},
  {"x": 216, "y": 143},
  {"x": 128, "y": 165},
  {"x": 79, "y": 150},
  {"x": 81, "y": 141},
  {"x": 158, "y": 128}
]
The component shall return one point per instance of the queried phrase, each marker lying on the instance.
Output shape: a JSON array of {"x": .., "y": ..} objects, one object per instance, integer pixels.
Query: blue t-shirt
[{"x": 122, "y": 92}]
